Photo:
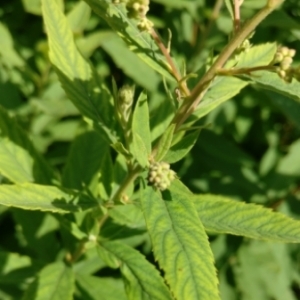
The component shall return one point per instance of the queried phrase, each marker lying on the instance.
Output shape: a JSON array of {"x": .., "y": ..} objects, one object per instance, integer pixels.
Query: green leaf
[
  {"x": 180, "y": 244},
  {"x": 19, "y": 161},
  {"x": 120, "y": 148},
  {"x": 254, "y": 274},
  {"x": 126, "y": 59},
  {"x": 142, "y": 280},
  {"x": 260, "y": 55},
  {"x": 140, "y": 43},
  {"x": 9, "y": 56},
  {"x": 79, "y": 16},
  {"x": 289, "y": 165},
  {"x": 287, "y": 22},
  {"x": 180, "y": 150},
  {"x": 32, "y": 6},
  {"x": 141, "y": 136},
  {"x": 15, "y": 268},
  {"x": 271, "y": 81},
  {"x": 55, "y": 282},
  {"x": 222, "y": 89},
  {"x": 223, "y": 215},
  {"x": 165, "y": 143},
  {"x": 72, "y": 228},
  {"x": 129, "y": 215},
  {"x": 140, "y": 120},
  {"x": 87, "y": 153},
  {"x": 39, "y": 233},
  {"x": 79, "y": 80},
  {"x": 229, "y": 6},
  {"x": 106, "y": 176},
  {"x": 100, "y": 288},
  {"x": 120, "y": 173},
  {"x": 90, "y": 264},
  {"x": 46, "y": 198},
  {"x": 139, "y": 150},
  {"x": 287, "y": 106}
]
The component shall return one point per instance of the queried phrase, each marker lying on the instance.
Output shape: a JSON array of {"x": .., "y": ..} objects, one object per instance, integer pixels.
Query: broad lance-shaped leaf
[
  {"x": 287, "y": 106},
  {"x": 164, "y": 143},
  {"x": 46, "y": 198},
  {"x": 255, "y": 274},
  {"x": 19, "y": 161},
  {"x": 180, "y": 150},
  {"x": 100, "y": 288},
  {"x": 78, "y": 78},
  {"x": 55, "y": 282},
  {"x": 15, "y": 268},
  {"x": 141, "y": 73},
  {"x": 223, "y": 215},
  {"x": 139, "y": 42},
  {"x": 87, "y": 153},
  {"x": 142, "y": 281},
  {"x": 180, "y": 244},
  {"x": 222, "y": 89},
  {"x": 260, "y": 55},
  {"x": 141, "y": 136},
  {"x": 271, "y": 81}
]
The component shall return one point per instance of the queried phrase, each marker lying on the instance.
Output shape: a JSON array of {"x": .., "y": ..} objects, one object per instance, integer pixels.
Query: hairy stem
[
  {"x": 131, "y": 176},
  {"x": 237, "y": 15},
  {"x": 241, "y": 71},
  {"x": 182, "y": 85}
]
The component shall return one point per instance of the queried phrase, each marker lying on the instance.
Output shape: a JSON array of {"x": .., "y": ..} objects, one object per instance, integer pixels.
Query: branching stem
[
  {"x": 193, "y": 99},
  {"x": 199, "y": 90}
]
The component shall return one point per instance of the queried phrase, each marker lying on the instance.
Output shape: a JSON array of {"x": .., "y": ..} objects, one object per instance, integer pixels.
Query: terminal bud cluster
[
  {"x": 160, "y": 175},
  {"x": 284, "y": 59},
  {"x": 137, "y": 9}
]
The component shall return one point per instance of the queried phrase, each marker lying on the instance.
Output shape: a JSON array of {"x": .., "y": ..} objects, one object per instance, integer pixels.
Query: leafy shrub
[{"x": 116, "y": 142}]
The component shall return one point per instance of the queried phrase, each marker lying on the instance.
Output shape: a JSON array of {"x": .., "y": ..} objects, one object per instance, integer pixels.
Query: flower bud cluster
[
  {"x": 125, "y": 100},
  {"x": 160, "y": 175},
  {"x": 284, "y": 57},
  {"x": 137, "y": 9}
]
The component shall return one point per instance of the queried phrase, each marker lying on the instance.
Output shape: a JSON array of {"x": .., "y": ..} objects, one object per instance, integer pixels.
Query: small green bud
[
  {"x": 163, "y": 186},
  {"x": 278, "y": 57},
  {"x": 284, "y": 51},
  {"x": 145, "y": 25},
  {"x": 286, "y": 63},
  {"x": 281, "y": 73},
  {"x": 160, "y": 175},
  {"x": 136, "y": 6},
  {"x": 292, "y": 52},
  {"x": 125, "y": 95}
]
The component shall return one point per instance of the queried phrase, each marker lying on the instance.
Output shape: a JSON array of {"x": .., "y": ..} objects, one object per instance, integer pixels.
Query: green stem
[
  {"x": 78, "y": 252},
  {"x": 131, "y": 176},
  {"x": 241, "y": 71}
]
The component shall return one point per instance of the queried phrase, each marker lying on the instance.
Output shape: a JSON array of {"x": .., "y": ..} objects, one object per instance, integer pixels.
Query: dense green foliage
[{"x": 99, "y": 112}]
